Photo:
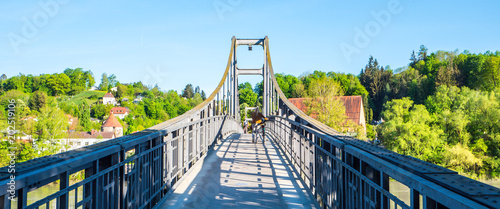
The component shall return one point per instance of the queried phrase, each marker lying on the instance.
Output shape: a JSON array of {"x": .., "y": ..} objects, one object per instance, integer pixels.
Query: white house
[
  {"x": 77, "y": 140},
  {"x": 120, "y": 112},
  {"x": 109, "y": 99}
]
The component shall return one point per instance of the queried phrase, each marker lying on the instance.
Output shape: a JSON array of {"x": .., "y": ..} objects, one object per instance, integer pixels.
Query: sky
[{"x": 173, "y": 43}]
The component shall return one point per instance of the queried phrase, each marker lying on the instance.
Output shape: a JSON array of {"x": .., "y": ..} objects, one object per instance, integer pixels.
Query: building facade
[
  {"x": 120, "y": 112},
  {"x": 109, "y": 99},
  {"x": 112, "y": 125}
]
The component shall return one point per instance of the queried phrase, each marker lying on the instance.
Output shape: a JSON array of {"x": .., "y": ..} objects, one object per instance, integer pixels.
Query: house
[
  {"x": 112, "y": 125},
  {"x": 93, "y": 88},
  {"x": 138, "y": 98},
  {"x": 109, "y": 99},
  {"x": 72, "y": 122},
  {"x": 114, "y": 89},
  {"x": 120, "y": 112},
  {"x": 353, "y": 108},
  {"x": 77, "y": 140}
]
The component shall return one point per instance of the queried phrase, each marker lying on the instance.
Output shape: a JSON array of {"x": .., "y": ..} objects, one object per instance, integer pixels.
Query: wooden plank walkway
[{"x": 240, "y": 174}]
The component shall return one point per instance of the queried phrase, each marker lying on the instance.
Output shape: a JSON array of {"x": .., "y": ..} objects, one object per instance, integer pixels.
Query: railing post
[
  {"x": 429, "y": 203},
  {"x": 63, "y": 184},
  {"x": 415, "y": 199},
  {"x": 168, "y": 158},
  {"x": 384, "y": 182},
  {"x": 22, "y": 198},
  {"x": 122, "y": 202}
]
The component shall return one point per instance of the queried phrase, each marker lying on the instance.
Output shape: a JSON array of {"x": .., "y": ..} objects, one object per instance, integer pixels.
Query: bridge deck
[{"x": 240, "y": 174}]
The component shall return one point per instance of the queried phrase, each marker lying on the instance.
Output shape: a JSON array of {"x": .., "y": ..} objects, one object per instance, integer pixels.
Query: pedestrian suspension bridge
[{"x": 202, "y": 159}]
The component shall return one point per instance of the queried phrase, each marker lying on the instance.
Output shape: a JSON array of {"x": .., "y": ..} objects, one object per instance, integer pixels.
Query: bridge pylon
[{"x": 236, "y": 71}]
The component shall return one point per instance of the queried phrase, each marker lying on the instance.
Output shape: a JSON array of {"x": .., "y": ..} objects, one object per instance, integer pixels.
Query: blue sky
[{"x": 174, "y": 43}]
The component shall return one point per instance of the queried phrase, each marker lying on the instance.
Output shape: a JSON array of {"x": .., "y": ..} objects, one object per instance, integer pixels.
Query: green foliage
[
  {"x": 286, "y": 84},
  {"x": 104, "y": 86},
  {"x": 325, "y": 104},
  {"x": 52, "y": 125},
  {"x": 84, "y": 117},
  {"x": 80, "y": 80},
  {"x": 247, "y": 95},
  {"x": 59, "y": 84},
  {"x": 466, "y": 122},
  {"x": 349, "y": 83},
  {"x": 408, "y": 130},
  {"x": 100, "y": 110},
  {"x": 188, "y": 91},
  {"x": 429, "y": 71},
  {"x": 37, "y": 100},
  {"x": 376, "y": 79},
  {"x": 47, "y": 98}
]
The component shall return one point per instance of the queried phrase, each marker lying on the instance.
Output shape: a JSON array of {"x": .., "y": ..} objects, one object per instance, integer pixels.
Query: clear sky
[{"x": 173, "y": 43}]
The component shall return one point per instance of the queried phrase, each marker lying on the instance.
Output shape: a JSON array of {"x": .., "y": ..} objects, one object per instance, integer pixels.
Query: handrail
[
  {"x": 296, "y": 110},
  {"x": 209, "y": 99},
  {"x": 440, "y": 183},
  {"x": 167, "y": 150}
]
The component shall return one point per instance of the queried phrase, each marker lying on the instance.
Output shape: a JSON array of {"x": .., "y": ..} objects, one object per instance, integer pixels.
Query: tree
[
  {"x": 325, "y": 103},
  {"x": 349, "y": 83},
  {"x": 38, "y": 100},
  {"x": 112, "y": 82},
  {"x": 491, "y": 73},
  {"x": 197, "y": 90},
  {"x": 80, "y": 80},
  {"x": 375, "y": 79},
  {"x": 461, "y": 159},
  {"x": 413, "y": 58},
  {"x": 14, "y": 83},
  {"x": 84, "y": 117},
  {"x": 52, "y": 125},
  {"x": 408, "y": 130},
  {"x": 203, "y": 95},
  {"x": 121, "y": 91},
  {"x": 100, "y": 110},
  {"x": 59, "y": 84},
  {"x": 248, "y": 96},
  {"x": 422, "y": 54},
  {"x": 104, "y": 82},
  {"x": 188, "y": 91},
  {"x": 89, "y": 77}
]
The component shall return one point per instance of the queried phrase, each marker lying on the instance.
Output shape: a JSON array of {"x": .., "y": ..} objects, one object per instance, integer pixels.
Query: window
[{"x": 86, "y": 143}]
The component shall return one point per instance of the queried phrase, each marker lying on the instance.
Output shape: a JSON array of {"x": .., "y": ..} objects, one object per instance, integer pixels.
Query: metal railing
[
  {"x": 134, "y": 171},
  {"x": 344, "y": 172},
  {"x": 138, "y": 170}
]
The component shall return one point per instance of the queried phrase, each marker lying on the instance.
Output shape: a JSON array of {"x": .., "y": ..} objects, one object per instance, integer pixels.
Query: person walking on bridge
[{"x": 257, "y": 119}]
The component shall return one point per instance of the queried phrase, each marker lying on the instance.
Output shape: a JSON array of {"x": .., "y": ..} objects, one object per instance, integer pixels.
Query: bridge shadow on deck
[{"x": 240, "y": 174}]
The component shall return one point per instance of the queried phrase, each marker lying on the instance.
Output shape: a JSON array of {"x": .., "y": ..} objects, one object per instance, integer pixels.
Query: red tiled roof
[
  {"x": 112, "y": 122},
  {"x": 109, "y": 95},
  {"x": 352, "y": 106},
  {"x": 119, "y": 110}
]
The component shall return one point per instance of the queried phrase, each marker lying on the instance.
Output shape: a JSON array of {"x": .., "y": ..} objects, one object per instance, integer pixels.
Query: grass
[{"x": 88, "y": 96}]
